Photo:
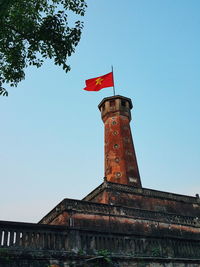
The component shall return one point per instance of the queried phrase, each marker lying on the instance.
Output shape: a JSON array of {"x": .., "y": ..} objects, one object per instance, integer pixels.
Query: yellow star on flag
[{"x": 99, "y": 81}]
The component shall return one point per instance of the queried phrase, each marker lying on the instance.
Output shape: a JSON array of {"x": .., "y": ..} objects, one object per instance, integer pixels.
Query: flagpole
[{"x": 113, "y": 81}]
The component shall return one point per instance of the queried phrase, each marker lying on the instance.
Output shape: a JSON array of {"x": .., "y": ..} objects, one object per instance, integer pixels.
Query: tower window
[
  {"x": 132, "y": 179},
  {"x": 112, "y": 103},
  {"x": 117, "y": 160},
  {"x": 123, "y": 103}
]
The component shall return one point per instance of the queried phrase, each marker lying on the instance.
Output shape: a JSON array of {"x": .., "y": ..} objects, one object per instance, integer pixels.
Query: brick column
[{"x": 120, "y": 158}]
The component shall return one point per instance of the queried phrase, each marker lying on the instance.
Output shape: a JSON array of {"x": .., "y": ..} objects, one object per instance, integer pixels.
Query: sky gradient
[{"x": 51, "y": 137}]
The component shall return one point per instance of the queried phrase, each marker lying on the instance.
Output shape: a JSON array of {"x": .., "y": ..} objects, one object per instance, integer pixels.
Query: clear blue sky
[{"x": 51, "y": 134}]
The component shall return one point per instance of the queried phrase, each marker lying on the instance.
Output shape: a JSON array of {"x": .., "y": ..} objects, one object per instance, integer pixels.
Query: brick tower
[{"x": 120, "y": 158}]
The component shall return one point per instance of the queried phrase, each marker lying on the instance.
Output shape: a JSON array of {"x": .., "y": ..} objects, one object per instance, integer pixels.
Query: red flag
[{"x": 100, "y": 82}]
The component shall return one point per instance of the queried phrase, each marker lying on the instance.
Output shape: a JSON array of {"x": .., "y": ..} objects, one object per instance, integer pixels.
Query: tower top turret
[{"x": 118, "y": 105}]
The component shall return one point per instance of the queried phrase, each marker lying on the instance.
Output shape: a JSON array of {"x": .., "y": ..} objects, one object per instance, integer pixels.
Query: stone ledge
[
  {"x": 86, "y": 207},
  {"x": 141, "y": 191}
]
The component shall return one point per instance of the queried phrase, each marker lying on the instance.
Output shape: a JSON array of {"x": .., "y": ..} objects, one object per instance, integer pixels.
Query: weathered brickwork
[
  {"x": 120, "y": 159},
  {"x": 68, "y": 208},
  {"x": 143, "y": 198}
]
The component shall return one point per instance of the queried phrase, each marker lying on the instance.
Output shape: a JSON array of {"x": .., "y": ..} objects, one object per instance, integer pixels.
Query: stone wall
[
  {"x": 71, "y": 206},
  {"x": 146, "y": 199},
  {"x": 103, "y": 217},
  {"x": 34, "y": 261}
]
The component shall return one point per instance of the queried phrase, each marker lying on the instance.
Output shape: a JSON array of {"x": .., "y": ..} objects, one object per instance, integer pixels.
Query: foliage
[
  {"x": 80, "y": 252},
  {"x": 4, "y": 256},
  {"x": 156, "y": 252},
  {"x": 106, "y": 255},
  {"x": 34, "y": 30},
  {"x": 102, "y": 258},
  {"x": 3, "y": 91}
]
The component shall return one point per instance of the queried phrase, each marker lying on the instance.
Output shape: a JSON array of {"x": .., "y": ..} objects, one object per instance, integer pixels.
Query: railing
[
  {"x": 35, "y": 237},
  {"x": 32, "y": 236}
]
